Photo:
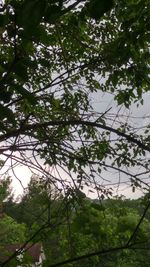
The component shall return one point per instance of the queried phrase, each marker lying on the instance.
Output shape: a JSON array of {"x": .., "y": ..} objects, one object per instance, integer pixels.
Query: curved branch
[
  {"x": 24, "y": 130},
  {"x": 100, "y": 252}
]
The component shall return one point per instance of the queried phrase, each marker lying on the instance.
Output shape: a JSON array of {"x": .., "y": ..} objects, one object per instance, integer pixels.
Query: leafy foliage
[
  {"x": 85, "y": 227},
  {"x": 11, "y": 231},
  {"x": 54, "y": 56}
]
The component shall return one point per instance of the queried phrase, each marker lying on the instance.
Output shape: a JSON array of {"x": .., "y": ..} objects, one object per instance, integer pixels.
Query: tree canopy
[
  {"x": 55, "y": 55},
  {"x": 87, "y": 233}
]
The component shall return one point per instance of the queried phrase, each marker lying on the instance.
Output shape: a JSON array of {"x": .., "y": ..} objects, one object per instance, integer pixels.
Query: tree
[
  {"x": 54, "y": 55},
  {"x": 50, "y": 61},
  {"x": 11, "y": 232},
  {"x": 84, "y": 227},
  {"x": 5, "y": 193},
  {"x": 75, "y": 228},
  {"x": 5, "y": 189}
]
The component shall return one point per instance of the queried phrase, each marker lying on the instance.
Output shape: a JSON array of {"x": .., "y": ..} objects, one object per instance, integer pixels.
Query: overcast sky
[{"x": 101, "y": 103}]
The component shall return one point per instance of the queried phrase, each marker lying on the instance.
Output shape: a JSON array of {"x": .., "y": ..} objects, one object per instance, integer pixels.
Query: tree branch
[
  {"x": 100, "y": 252},
  {"x": 139, "y": 223},
  {"x": 28, "y": 127}
]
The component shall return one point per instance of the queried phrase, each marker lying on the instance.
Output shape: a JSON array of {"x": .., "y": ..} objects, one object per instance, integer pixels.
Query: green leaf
[
  {"x": 25, "y": 94},
  {"x": 31, "y": 14},
  {"x": 3, "y": 20},
  {"x": 97, "y": 8},
  {"x": 20, "y": 70},
  {"x": 2, "y": 162},
  {"x": 52, "y": 13},
  {"x": 6, "y": 113},
  {"x": 5, "y": 96}
]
